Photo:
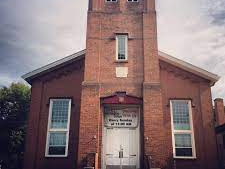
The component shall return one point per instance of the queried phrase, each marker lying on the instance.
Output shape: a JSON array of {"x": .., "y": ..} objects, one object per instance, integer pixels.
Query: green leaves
[
  {"x": 14, "y": 108},
  {"x": 16, "y": 139},
  {"x": 14, "y": 102}
]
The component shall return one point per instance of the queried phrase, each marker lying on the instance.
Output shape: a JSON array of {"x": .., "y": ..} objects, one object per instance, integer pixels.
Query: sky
[{"x": 37, "y": 32}]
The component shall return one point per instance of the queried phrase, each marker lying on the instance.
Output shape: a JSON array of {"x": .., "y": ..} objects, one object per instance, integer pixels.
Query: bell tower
[{"x": 122, "y": 55}]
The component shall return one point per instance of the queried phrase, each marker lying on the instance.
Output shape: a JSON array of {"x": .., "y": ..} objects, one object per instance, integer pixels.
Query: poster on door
[{"x": 121, "y": 117}]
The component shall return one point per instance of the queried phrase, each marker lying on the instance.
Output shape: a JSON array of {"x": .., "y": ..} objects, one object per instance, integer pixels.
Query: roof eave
[
  {"x": 52, "y": 66},
  {"x": 213, "y": 78}
]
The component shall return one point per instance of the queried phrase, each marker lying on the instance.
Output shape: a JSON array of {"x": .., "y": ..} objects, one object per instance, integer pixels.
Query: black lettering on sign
[{"x": 125, "y": 117}]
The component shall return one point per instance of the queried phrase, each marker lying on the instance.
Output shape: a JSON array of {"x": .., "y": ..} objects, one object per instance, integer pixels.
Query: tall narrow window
[
  {"x": 58, "y": 128},
  {"x": 182, "y": 129},
  {"x": 121, "y": 47}
]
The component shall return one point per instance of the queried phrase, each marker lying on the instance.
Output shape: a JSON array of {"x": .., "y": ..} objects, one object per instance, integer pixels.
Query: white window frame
[
  {"x": 52, "y": 130},
  {"x": 126, "y": 47},
  {"x": 132, "y": 1},
  {"x": 191, "y": 131},
  {"x": 111, "y": 1}
]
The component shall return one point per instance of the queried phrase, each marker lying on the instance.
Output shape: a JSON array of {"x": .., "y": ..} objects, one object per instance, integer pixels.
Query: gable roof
[
  {"x": 54, "y": 65},
  {"x": 213, "y": 78}
]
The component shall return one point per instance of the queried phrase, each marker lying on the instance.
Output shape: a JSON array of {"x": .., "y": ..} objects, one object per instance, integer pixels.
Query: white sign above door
[{"x": 121, "y": 117}]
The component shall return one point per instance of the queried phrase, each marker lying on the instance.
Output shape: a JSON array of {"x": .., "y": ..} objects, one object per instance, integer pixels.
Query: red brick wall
[
  {"x": 145, "y": 79},
  {"x": 182, "y": 85},
  {"x": 219, "y": 111},
  {"x": 173, "y": 82},
  {"x": 139, "y": 21},
  {"x": 65, "y": 82}
]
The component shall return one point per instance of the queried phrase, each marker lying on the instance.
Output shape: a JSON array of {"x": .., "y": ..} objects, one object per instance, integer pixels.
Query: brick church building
[{"x": 121, "y": 103}]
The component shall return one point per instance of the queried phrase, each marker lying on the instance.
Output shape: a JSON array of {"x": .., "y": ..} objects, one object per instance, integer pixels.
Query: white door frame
[{"x": 104, "y": 133}]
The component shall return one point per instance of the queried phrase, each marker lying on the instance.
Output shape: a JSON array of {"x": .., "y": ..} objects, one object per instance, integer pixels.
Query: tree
[{"x": 14, "y": 108}]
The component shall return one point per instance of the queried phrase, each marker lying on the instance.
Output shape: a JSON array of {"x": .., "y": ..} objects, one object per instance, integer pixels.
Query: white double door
[{"x": 125, "y": 140}]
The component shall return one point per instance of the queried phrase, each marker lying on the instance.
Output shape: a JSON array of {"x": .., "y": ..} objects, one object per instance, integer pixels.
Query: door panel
[{"x": 128, "y": 140}]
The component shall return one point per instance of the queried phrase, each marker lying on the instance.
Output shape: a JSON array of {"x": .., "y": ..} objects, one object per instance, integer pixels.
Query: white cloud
[
  {"x": 6, "y": 80},
  {"x": 40, "y": 32},
  {"x": 189, "y": 30}
]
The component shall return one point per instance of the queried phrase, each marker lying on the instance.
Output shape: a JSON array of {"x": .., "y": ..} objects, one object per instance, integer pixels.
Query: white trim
[
  {"x": 132, "y": 0},
  {"x": 191, "y": 131},
  {"x": 53, "y": 65},
  {"x": 104, "y": 128},
  {"x": 111, "y": 1},
  {"x": 49, "y": 130},
  {"x": 213, "y": 78},
  {"x": 126, "y": 47}
]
